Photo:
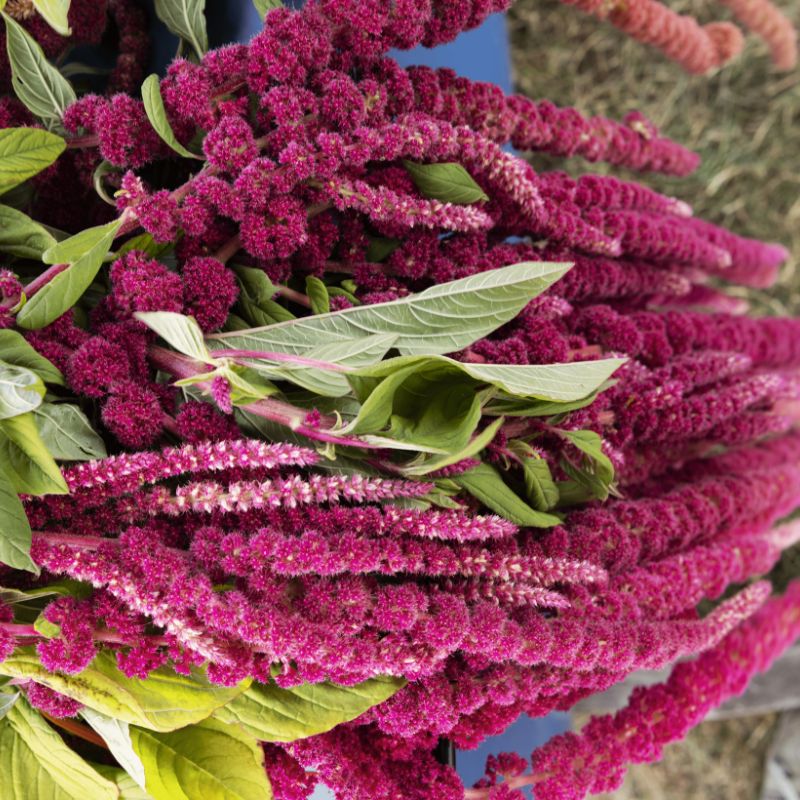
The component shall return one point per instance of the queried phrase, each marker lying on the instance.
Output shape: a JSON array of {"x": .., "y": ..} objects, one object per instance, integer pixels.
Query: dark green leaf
[
  {"x": 25, "y": 152},
  {"x": 317, "y": 293},
  {"x": 210, "y": 760},
  {"x": 26, "y": 460},
  {"x": 380, "y": 248},
  {"x": 255, "y": 298},
  {"x": 38, "y": 84},
  {"x": 273, "y": 714},
  {"x": 186, "y": 19},
  {"x": 36, "y": 763},
  {"x": 164, "y": 701},
  {"x": 145, "y": 243},
  {"x": 450, "y": 183},
  {"x": 67, "y": 433},
  {"x": 540, "y": 487},
  {"x": 486, "y": 483},
  {"x": 15, "y": 531},
  {"x": 509, "y": 406},
  {"x": 598, "y": 474},
  {"x": 22, "y": 237},
  {"x": 157, "y": 114}
]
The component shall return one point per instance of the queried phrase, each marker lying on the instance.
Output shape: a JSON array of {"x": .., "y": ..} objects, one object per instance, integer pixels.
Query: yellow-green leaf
[{"x": 25, "y": 152}]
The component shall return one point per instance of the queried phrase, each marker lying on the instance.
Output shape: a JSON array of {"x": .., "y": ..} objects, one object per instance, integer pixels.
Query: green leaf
[
  {"x": 425, "y": 403},
  {"x": 509, "y": 406},
  {"x": 317, "y": 293},
  {"x": 450, "y": 183},
  {"x": 36, "y": 763},
  {"x": 25, "y": 152},
  {"x": 380, "y": 248},
  {"x": 64, "y": 588},
  {"x": 15, "y": 530},
  {"x": 15, "y": 350},
  {"x": 127, "y": 786},
  {"x": 247, "y": 386},
  {"x": 116, "y": 734},
  {"x": 74, "y": 248},
  {"x": 66, "y": 288},
  {"x": 262, "y": 6},
  {"x": 559, "y": 383},
  {"x": 7, "y": 702},
  {"x": 353, "y": 353},
  {"x": 599, "y": 473},
  {"x": 210, "y": 760},
  {"x": 21, "y": 390},
  {"x": 273, "y": 714},
  {"x": 55, "y": 13},
  {"x": 442, "y": 319},
  {"x": 255, "y": 298},
  {"x": 540, "y": 487},
  {"x": 471, "y": 449},
  {"x": 22, "y": 237},
  {"x": 145, "y": 243},
  {"x": 26, "y": 460},
  {"x": 164, "y": 701},
  {"x": 100, "y": 171},
  {"x": 486, "y": 483},
  {"x": 182, "y": 332},
  {"x": 39, "y": 85},
  {"x": 157, "y": 114},
  {"x": 186, "y": 19},
  {"x": 67, "y": 433}
]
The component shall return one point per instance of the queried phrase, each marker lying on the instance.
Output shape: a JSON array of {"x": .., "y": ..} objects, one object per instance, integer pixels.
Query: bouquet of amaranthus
[{"x": 331, "y": 433}]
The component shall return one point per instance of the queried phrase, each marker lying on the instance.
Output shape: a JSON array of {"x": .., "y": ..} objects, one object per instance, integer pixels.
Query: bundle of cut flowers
[
  {"x": 699, "y": 48},
  {"x": 334, "y": 436}
]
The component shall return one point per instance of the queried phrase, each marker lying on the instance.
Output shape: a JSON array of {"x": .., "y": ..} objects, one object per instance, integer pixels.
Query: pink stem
[
  {"x": 18, "y": 630},
  {"x": 286, "y": 357},
  {"x": 295, "y": 296},
  {"x": 70, "y": 539},
  {"x": 276, "y": 411},
  {"x": 40, "y": 281}
]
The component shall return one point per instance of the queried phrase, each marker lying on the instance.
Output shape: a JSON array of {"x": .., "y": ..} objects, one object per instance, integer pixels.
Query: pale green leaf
[
  {"x": 21, "y": 390},
  {"x": 353, "y": 353},
  {"x": 442, "y": 319},
  {"x": 486, "y": 483},
  {"x": 127, "y": 786},
  {"x": 186, "y": 19},
  {"x": 22, "y": 237},
  {"x": 26, "y": 460},
  {"x": 25, "y": 152},
  {"x": 67, "y": 433},
  {"x": 210, "y": 760},
  {"x": 15, "y": 531},
  {"x": 157, "y": 114},
  {"x": 116, "y": 734},
  {"x": 7, "y": 702},
  {"x": 38, "y": 84},
  {"x": 178, "y": 330},
  {"x": 449, "y": 182},
  {"x": 273, "y": 714},
  {"x": 35, "y": 763},
  {"x": 164, "y": 701},
  {"x": 55, "y": 13},
  {"x": 14, "y": 349},
  {"x": 66, "y": 288}
]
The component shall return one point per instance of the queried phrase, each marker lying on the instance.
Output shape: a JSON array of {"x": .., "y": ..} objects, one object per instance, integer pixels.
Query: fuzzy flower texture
[{"x": 204, "y": 546}]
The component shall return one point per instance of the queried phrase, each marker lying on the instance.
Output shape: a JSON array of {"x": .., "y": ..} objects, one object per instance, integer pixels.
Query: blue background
[{"x": 481, "y": 54}]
